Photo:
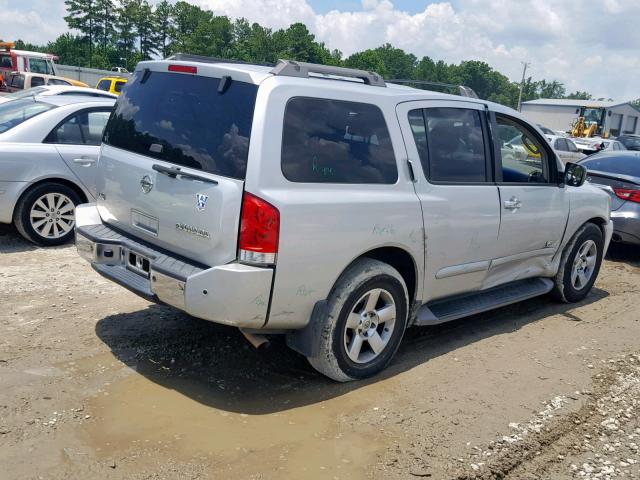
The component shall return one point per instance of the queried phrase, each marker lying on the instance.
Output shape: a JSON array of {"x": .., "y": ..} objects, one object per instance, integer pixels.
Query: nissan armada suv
[{"x": 329, "y": 206}]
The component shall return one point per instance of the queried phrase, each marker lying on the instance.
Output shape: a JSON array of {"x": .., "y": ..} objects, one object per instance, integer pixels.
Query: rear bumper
[
  {"x": 626, "y": 224},
  {"x": 231, "y": 294}
]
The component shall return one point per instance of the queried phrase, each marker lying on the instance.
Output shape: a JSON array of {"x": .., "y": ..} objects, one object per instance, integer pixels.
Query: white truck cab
[{"x": 327, "y": 205}]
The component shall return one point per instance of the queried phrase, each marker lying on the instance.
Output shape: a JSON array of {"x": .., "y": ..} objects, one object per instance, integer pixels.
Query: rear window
[
  {"x": 15, "y": 112},
  {"x": 623, "y": 165},
  {"x": 104, "y": 85},
  {"x": 183, "y": 119},
  {"x": 331, "y": 141}
]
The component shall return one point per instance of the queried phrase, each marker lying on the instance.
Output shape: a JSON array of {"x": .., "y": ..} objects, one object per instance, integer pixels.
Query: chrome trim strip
[{"x": 454, "y": 270}]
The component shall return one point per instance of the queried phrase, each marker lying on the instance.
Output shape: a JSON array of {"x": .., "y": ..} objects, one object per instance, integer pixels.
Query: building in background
[{"x": 616, "y": 118}]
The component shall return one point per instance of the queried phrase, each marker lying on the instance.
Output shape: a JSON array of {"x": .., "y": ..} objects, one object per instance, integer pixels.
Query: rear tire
[
  {"x": 366, "y": 318},
  {"x": 579, "y": 264},
  {"x": 45, "y": 214}
]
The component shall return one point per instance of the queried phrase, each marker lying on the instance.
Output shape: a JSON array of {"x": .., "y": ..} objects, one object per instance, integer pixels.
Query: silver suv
[{"x": 326, "y": 205}]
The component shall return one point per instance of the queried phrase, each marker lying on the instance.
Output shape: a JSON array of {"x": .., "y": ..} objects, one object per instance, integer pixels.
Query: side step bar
[{"x": 445, "y": 310}]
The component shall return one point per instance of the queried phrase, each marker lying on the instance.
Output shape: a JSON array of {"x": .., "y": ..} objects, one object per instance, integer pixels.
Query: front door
[
  {"x": 534, "y": 206},
  {"x": 448, "y": 149}
]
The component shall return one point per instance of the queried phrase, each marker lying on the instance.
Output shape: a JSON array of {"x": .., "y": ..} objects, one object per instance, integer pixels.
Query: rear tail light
[
  {"x": 183, "y": 68},
  {"x": 259, "y": 231},
  {"x": 628, "y": 194}
]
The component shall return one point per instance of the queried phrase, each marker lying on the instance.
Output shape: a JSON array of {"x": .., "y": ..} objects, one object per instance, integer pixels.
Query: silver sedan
[{"x": 49, "y": 146}]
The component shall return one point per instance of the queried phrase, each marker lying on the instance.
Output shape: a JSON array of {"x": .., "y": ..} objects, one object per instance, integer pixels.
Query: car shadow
[
  {"x": 624, "y": 253},
  {"x": 214, "y": 364},
  {"x": 12, "y": 242}
]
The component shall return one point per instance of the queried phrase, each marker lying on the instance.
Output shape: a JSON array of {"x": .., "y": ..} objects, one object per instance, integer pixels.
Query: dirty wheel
[
  {"x": 367, "y": 316},
  {"x": 45, "y": 215},
  {"x": 580, "y": 264}
]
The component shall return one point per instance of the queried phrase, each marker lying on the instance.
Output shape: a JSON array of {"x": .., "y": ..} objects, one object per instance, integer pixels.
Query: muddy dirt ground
[{"x": 97, "y": 383}]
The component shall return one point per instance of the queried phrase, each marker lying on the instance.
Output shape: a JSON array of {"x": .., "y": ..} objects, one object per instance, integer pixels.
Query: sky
[{"x": 587, "y": 45}]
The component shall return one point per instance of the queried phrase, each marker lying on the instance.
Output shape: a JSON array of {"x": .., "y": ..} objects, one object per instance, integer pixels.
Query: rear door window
[
  {"x": 84, "y": 128},
  {"x": 184, "y": 120},
  {"x": 332, "y": 141},
  {"x": 451, "y": 144}
]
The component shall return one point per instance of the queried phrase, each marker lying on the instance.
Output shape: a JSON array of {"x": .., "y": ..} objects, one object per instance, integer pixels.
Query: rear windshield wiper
[{"x": 173, "y": 172}]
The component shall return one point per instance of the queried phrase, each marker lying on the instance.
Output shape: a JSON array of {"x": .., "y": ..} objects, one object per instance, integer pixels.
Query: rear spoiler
[{"x": 462, "y": 90}]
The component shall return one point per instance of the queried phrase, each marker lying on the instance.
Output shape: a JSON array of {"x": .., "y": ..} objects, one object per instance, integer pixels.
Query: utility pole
[{"x": 524, "y": 72}]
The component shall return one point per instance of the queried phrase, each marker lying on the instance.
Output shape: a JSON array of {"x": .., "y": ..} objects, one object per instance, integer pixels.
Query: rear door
[
  {"x": 534, "y": 207},
  {"x": 174, "y": 158},
  {"x": 77, "y": 139},
  {"x": 448, "y": 146},
  {"x": 562, "y": 149}
]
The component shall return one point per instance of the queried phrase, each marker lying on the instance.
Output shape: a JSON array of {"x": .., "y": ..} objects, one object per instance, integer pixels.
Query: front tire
[
  {"x": 45, "y": 215},
  {"x": 579, "y": 264},
  {"x": 367, "y": 316}
]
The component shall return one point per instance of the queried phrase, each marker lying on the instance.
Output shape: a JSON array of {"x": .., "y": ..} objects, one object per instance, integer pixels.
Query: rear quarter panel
[
  {"x": 324, "y": 227},
  {"x": 26, "y": 164}
]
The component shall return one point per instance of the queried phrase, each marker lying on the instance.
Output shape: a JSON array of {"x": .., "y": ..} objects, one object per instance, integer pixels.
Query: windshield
[
  {"x": 623, "y": 165},
  {"x": 15, "y": 112},
  {"x": 183, "y": 119},
  {"x": 29, "y": 92}
]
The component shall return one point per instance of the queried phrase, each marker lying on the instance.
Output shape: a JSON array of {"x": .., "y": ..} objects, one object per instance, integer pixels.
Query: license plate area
[{"x": 137, "y": 263}]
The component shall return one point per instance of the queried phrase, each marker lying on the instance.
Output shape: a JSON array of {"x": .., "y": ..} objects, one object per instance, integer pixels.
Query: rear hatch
[{"x": 174, "y": 157}]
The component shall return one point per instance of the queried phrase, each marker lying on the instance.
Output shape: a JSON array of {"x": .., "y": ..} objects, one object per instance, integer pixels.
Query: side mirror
[{"x": 574, "y": 175}]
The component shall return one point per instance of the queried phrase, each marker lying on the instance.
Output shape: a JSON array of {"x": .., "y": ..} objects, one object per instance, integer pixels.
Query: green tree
[
  {"x": 126, "y": 32},
  {"x": 163, "y": 26},
  {"x": 145, "y": 28},
  {"x": 105, "y": 18},
  {"x": 579, "y": 95},
  {"x": 81, "y": 16}
]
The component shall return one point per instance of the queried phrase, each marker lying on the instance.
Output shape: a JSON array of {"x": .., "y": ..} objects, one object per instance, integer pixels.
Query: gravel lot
[{"x": 97, "y": 383}]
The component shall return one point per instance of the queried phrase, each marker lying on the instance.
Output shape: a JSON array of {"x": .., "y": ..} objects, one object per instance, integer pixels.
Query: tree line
[{"x": 124, "y": 32}]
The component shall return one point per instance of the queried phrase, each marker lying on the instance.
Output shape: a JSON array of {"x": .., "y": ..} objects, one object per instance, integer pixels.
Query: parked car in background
[
  {"x": 24, "y": 81},
  {"x": 618, "y": 173},
  {"x": 631, "y": 142},
  {"x": 380, "y": 206},
  {"x": 545, "y": 130},
  {"x": 111, "y": 84},
  {"x": 590, "y": 145},
  {"x": 565, "y": 148},
  {"x": 48, "y": 150},
  {"x": 119, "y": 70},
  {"x": 47, "y": 90}
]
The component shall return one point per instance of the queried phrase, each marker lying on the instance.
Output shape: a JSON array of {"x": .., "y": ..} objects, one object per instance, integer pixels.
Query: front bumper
[{"x": 232, "y": 294}]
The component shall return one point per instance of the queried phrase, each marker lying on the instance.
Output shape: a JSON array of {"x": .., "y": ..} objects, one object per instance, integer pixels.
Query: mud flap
[{"x": 306, "y": 341}]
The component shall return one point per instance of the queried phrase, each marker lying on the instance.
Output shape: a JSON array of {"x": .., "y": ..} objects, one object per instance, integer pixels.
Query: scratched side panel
[{"x": 324, "y": 227}]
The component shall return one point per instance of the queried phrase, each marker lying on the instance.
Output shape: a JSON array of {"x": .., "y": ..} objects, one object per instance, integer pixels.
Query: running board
[{"x": 445, "y": 310}]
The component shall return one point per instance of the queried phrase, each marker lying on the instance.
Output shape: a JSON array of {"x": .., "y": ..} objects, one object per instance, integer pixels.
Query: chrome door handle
[
  {"x": 512, "y": 204},
  {"x": 85, "y": 162}
]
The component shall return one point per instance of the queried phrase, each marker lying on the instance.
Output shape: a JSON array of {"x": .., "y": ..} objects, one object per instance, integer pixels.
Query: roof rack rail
[
  {"x": 187, "y": 57},
  {"x": 289, "y": 68},
  {"x": 462, "y": 90}
]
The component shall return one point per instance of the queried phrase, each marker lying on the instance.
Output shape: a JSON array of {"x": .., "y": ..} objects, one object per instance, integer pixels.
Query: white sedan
[
  {"x": 565, "y": 148},
  {"x": 48, "y": 149},
  {"x": 46, "y": 90}
]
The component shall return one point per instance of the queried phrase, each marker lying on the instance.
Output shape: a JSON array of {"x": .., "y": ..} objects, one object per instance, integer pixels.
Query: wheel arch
[
  {"x": 398, "y": 258},
  {"x": 63, "y": 181}
]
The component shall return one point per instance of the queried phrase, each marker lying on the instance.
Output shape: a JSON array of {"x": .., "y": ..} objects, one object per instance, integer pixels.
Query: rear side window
[
  {"x": 332, "y": 141},
  {"x": 37, "y": 81},
  {"x": 450, "y": 143},
  {"x": 104, "y": 85},
  {"x": 118, "y": 86},
  {"x": 183, "y": 119},
  {"x": 84, "y": 128},
  {"x": 17, "y": 81},
  {"x": 17, "y": 111}
]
